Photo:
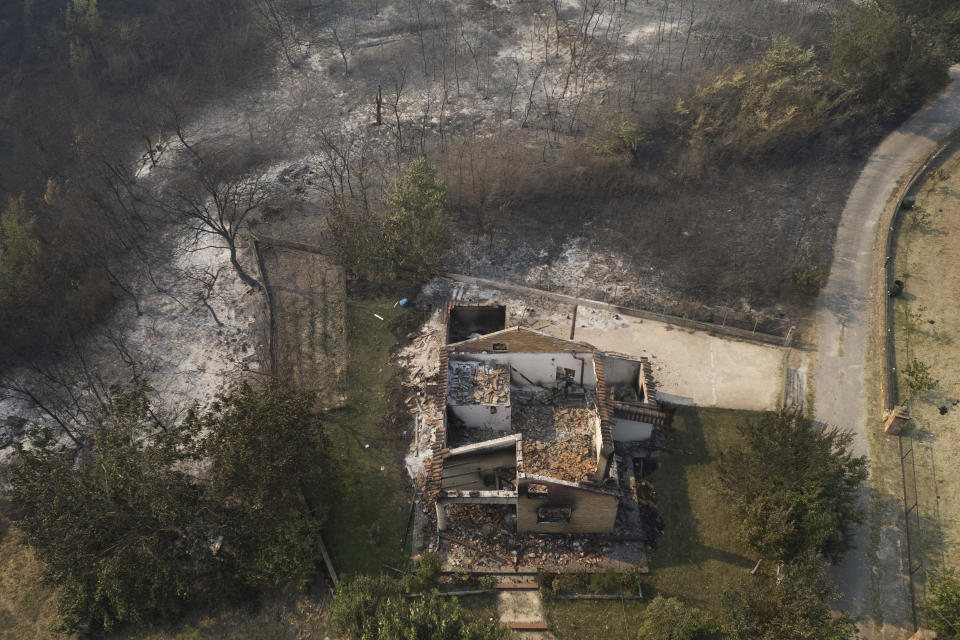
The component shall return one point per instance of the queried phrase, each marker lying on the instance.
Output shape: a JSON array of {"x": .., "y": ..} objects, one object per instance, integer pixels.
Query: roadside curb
[{"x": 884, "y": 259}]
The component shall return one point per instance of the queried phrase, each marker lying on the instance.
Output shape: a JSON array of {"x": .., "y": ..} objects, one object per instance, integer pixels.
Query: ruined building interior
[{"x": 533, "y": 423}]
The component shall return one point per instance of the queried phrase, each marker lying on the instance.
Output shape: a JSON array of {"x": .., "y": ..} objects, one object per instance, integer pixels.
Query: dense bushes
[
  {"x": 883, "y": 63},
  {"x": 876, "y": 69},
  {"x": 130, "y": 534},
  {"x": 941, "y": 606},
  {"x": 772, "y": 106},
  {"x": 797, "y": 604},
  {"x": 410, "y": 235},
  {"x": 368, "y": 608},
  {"x": 670, "y": 619}
]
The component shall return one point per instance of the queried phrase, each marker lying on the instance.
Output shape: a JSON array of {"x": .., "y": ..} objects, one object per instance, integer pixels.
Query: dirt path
[{"x": 871, "y": 577}]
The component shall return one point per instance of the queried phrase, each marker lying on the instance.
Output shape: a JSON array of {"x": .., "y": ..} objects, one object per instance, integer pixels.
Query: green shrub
[
  {"x": 774, "y": 105},
  {"x": 367, "y": 608},
  {"x": 620, "y": 138},
  {"x": 606, "y": 582},
  {"x": 427, "y": 571},
  {"x": 918, "y": 376},
  {"x": 670, "y": 619},
  {"x": 416, "y": 231},
  {"x": 794, "y": 486},
  {"x": 571, "y": 583},
  {"x": 882, "y": 63},
  {"x": 942, "y": 604},
  {"x": 808, "y": 270},
  {"x": 489, "y": 582},
  {"x": 798, "y": 603}
]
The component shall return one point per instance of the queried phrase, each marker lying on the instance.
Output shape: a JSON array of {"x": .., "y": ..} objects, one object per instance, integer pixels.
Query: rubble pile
[
  {"x": 420, "y": 360},
  {"x": 535, "y": 422},
  {"x": 570, "y": 459},
  {"x": 557, "y": 441},
  {"x": 459, "y": 436},
  {"x": 482, "y": 537},
  {"x": 573, "y": 422},
  {"x": 470, "y": 383},
  {"x": 491, "y": 385},
  {"x": 546, "y": 422}
]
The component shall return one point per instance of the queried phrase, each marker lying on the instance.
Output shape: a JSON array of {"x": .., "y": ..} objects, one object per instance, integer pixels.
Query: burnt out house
[{"x": 531, "y": 422}]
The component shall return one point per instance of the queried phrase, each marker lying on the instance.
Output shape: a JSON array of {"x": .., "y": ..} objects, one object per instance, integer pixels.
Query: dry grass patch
[
  {"x": 28, "y": 608},
  {"x": 927, "y": 329},
  {"x": 308, "y": 336}
]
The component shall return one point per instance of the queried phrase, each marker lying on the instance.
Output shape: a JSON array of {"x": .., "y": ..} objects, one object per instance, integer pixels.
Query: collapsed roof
[{"x": 536, "y": 417}]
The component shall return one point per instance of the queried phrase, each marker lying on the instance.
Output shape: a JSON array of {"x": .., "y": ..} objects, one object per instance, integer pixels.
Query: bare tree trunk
[
  {"x": 247, "y": 278},
  {"x": 335, "y": 30},
  {"x": 126, "y": 290}
]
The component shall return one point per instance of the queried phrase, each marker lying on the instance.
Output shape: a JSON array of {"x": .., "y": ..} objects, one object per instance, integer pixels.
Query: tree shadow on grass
[{"x": 699, "y": 553}]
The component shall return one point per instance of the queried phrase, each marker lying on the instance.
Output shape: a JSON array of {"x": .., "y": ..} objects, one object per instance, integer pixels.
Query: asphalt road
[{"x": 871, "y": 577}]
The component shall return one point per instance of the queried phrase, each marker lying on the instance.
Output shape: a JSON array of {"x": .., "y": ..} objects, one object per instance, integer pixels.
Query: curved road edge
[{"x": 871, "y": 577}]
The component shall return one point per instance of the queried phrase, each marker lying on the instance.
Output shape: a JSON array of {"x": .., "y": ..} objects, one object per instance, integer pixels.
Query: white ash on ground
[{"x": 174, "y": 343}]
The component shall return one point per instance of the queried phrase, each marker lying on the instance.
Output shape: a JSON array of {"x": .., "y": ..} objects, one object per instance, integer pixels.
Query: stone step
[
  {"x": 528, "y": 626},
  {"x": 519, "y": 586}
]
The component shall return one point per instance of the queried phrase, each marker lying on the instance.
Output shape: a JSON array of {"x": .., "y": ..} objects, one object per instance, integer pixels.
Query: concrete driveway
[
  {"x": 694, "y": 367},
  {"x": 691, "y": 367},
  {"x": 871, "y": 577}
]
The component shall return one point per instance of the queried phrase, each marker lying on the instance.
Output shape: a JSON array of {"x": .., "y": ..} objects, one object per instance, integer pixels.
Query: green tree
[
  {"x": 19, "y": 249},
  {"x": 795, "y": 486},
  {"x": 121, "y": 534},
  {"x": 416, "y": 231},
  {"x": 272, "y": 475},
  {"x": 130, "y": 533},
  {"x": 670, "y": 619},
  {"x": 883, "y": 62},
  {"x": 795, "y": 605},
  {"x": 933, "y": 20},
  {"x": 942, "y": 604},
  {"x": 377, "y": 608}
]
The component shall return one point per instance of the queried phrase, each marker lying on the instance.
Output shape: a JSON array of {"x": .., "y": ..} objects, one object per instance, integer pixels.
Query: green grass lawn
[
  {"x": 367, "y": 523},
  {"x": 280, "y": 617},
  {"x": 699, "y": 556},
  {"x": 480, "y": 607}
]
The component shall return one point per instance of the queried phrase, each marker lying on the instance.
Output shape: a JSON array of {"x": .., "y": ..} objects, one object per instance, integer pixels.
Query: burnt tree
[{"x": 217, "y": 199}]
